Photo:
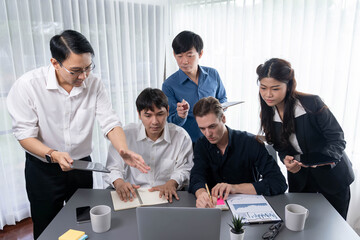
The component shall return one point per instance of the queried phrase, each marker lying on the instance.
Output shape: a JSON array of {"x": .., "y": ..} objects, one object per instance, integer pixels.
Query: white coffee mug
[
  {"x": 100, "y": 218},
  {"x": 295, "y": 216}
]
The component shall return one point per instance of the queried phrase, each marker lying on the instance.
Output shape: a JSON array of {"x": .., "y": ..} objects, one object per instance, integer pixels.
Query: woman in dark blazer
[{"x": 309, "y": 140}]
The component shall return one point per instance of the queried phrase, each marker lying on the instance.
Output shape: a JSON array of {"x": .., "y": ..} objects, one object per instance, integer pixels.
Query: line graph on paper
[{"x": 253, "y": 208}]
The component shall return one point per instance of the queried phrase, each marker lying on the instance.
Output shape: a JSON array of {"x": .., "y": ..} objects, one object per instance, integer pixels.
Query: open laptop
[{"x": 178, "y": 223}]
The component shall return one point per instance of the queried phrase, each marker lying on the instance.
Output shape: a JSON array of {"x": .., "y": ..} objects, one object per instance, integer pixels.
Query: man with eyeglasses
[{"x": 53, "y": 110}]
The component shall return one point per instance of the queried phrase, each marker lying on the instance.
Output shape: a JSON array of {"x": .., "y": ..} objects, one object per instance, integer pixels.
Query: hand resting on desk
[
  {"x": 222, "y": 190},
  {"x": 125, "y": 190},
  {"x": 168, "y": 190}
]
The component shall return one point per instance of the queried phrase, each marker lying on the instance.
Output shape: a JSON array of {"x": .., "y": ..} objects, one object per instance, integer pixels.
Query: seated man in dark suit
[{"x": 229, "y": 161}]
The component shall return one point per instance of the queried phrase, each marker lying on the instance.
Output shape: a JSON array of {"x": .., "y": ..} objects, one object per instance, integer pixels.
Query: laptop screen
[{"x": 177, "y": 223}]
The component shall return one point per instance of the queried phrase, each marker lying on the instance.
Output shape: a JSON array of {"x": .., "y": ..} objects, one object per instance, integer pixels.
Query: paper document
[
  {"x": 143, "y": 198},
  {"x": 229, "y": 104},
  {"x": 253, "y": 208}
]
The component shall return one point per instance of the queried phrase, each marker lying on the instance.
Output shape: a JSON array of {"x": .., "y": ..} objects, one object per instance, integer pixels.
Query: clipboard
[
  {"x": 230, "y": 104},
  {"x": 89, "y": 166}
]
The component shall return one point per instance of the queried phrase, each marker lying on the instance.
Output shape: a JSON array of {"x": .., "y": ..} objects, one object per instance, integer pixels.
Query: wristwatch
[{"x": 48, "y": 155}]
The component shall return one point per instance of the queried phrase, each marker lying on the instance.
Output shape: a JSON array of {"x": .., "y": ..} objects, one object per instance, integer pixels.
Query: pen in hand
[{"x": 210, "y": 198}]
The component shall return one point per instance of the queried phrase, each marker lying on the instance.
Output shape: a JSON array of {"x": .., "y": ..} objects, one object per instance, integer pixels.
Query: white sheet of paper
[
  {"x": 151, "y": 198},
  {"x": 253, "y": 208}
]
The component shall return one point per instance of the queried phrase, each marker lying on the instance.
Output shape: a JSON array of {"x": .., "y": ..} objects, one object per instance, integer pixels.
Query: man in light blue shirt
[{"x": 190, "y": 83}]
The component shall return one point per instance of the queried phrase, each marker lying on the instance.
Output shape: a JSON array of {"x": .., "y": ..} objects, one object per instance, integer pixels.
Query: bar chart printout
[{"x": 253, "y": 208}]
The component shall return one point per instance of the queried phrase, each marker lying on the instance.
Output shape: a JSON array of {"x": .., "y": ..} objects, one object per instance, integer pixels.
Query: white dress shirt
[
  {"x": 170, "y": 157},
  {"x": 299, "y": 111},
  {"x": 42, "y": 109}
]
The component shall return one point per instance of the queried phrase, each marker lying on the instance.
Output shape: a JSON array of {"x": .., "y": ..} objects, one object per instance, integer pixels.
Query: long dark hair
[{"x": 281, "y": 71}]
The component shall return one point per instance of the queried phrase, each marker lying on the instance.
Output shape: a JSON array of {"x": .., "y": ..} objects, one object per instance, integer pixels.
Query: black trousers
[
  {"x": 48, "y": 187},
  {"x": 340, "y": 201}
]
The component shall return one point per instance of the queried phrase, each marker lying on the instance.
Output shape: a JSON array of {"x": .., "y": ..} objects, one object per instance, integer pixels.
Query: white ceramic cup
[
  {"x": 295, "y": 216},
  {"x": 100, "y": 218}
]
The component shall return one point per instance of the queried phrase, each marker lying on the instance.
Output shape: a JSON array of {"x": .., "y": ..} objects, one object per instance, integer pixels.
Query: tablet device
[
  {"x": 314, "y": 159},
  {"x": 89, "y": 166},
  {"x": 316, "y": 163}
]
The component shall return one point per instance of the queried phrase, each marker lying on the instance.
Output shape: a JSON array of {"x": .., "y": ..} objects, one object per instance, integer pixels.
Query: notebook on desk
[
  {"x": 144, "y": 198},
  {"x": 177, "y": 223}
]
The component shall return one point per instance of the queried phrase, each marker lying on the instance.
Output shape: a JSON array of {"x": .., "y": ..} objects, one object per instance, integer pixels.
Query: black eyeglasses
[{"x": 274, "y": 230}]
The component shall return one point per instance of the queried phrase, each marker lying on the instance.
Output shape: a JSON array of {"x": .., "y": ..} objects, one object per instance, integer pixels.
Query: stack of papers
[
  {"x": 143, "y": 198},
  {"x": 252, "y": 208}
]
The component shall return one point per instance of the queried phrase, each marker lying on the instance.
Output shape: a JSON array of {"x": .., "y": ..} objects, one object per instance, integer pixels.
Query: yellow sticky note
[{"x": 71, "y": 235}]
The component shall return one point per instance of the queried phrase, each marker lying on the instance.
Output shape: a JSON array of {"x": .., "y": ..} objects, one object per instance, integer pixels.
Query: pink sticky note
[{"x": 220, "y": 202}]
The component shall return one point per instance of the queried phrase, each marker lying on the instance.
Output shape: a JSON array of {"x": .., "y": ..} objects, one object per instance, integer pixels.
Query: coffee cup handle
[{"x": 307, "y": 213}]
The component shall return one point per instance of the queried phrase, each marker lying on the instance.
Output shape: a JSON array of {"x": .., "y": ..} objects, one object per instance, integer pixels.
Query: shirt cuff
[
  {"x": 106, "y": 132},
  {"x": 26, "y": 133},
  {"x": 196, "y": 187},
  {"x": 260, "y": 188},
  {"x": 177, "y": 179},
  {"x": 178, "y": 120},
  {"x": 112, "y": 176}
]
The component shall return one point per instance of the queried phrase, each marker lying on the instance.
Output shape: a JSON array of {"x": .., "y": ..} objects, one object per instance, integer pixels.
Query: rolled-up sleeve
[
  {"x": 115, "y": 165},
  {"x": 22, "y": 111},
  {"x": 184, "y": 162},
  {"x": 105, "y": 114}
]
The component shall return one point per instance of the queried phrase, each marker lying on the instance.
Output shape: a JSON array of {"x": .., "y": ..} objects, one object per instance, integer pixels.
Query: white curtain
[
  {"x": 320, "y": 38},
  {"x": 129, "y": 42}
]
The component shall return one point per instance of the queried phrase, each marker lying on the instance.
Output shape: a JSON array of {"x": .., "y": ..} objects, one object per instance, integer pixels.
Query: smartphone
[{"x": 83, "y": 214}]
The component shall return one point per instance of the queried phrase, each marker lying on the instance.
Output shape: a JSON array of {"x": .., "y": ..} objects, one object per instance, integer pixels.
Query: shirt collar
[
  {"x": 299, "y": 111},
  {"x": 183, "y": 77},
  {"x": 230, "y": 135},
  {"x": 51, "y": 82},
  {"x": 164, "y": 136}
]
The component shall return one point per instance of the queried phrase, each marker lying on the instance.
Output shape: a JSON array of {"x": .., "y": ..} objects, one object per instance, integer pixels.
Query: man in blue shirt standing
[
  {"x": 190, "y": 83},
  {"x": 229, "y": 161}
]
